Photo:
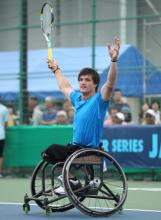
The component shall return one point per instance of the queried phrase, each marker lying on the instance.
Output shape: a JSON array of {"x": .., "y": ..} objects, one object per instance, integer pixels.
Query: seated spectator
[
  {"x": 149, "y": 117},
  {"x": 49, "y": 116},
  {"x": 13, "y": 118},
  {"x": 144, "y": 108},
  {"x": 111, "y": 118},
  {"x": 155, "y": 108},
  {"x": 127, "y": 113},
  {"x": 70, "y": 115},
  {"x": 35, "y": 114},
  {"x": 61, "y": 118},
  {"x": 67, "y": 105},
  {"x": 119, "y": 119},
  {"x": 118, "y": 101}
]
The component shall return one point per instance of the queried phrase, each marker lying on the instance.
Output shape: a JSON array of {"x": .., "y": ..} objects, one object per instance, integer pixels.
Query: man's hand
[
  {"x": 114, "y": 51},
  {"x": 53, "y": 65}
]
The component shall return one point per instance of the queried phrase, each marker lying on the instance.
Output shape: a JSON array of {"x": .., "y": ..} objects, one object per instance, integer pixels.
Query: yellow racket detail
[{"x": 50, "y": 54}]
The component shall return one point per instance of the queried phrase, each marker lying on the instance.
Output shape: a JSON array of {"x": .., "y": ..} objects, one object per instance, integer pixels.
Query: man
[
  {"x": 4, "y": 117},
  {"x": 90, "y": 106},
  {"x": 119, "y": 119},
  {"x": 150, "y": 117},
  {"x": 49, "y": 116},
  {"x": 155, "y": 108},
  {"x": 111, "y": 116},
  {"x": 61, "y": 118},
  {"x": 118, "y": 101},
  {"x": 36, "y": 113}
]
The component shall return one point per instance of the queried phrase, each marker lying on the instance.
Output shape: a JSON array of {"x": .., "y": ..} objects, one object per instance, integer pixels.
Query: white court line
[
  {"x": 138, "y": 210},
  {"x": 145, "y": 189},
  {"x": 14, "y": 203}
]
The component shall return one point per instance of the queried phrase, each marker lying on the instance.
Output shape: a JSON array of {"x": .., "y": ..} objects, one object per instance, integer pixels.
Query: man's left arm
[{"x": 106, "y": 90}]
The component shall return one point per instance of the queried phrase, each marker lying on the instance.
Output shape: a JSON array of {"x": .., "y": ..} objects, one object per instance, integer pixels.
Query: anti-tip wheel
[{"x": 26, "y": 208}]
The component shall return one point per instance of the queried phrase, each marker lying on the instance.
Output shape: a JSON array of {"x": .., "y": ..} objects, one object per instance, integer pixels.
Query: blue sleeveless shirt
[{"x": 88, "y": 119}]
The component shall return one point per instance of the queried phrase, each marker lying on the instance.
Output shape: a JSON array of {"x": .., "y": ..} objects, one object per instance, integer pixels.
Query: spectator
[
  {"x": 66, "y": 105},
  {"x": 118, "y": 101},
  {"x": 4, "y": 117},
  {"x": 34, "y": 110},
  {"x": 61, "y": 118},
  {"x": 70, "y": 114},
  {"x": 111, "y": 117},
  {"x": 144, "y": 108},
  {"x": 119, "y": 119},
  {"x": 126, "y": 111},
  {"x": 13, "y": 118},
  {"x": 155, "y": 107},
  {"x": 149, "y": 117},
  {"x": 49, "y": 116}
]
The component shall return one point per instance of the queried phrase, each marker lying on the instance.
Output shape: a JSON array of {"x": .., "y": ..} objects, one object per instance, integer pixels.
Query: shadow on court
[{"x": 15, "y": 212}]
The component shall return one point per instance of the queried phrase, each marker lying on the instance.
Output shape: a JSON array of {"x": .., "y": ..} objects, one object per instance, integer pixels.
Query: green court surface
[{"x": 142, "y": 195}]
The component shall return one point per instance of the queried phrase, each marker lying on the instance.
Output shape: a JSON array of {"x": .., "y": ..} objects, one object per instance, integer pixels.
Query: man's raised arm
[
  {"x": 63, "y": 83},
  {"x": 107, "y": 88}
]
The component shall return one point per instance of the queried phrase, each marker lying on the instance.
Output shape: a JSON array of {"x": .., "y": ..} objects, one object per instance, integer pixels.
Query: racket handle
[{"x": 50, "y": 54}]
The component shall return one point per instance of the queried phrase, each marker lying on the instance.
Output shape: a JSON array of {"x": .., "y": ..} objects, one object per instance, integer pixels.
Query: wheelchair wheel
[
  {"x": 41, "y": 189},
  {"x": 103, "y": 182}
]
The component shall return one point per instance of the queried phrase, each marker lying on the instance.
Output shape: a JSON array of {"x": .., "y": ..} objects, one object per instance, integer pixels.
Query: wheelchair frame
[{"x": 95, "y": 167}]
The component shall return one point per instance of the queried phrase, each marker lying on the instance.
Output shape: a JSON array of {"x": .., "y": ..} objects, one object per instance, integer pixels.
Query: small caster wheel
[
  {"x": 26, "y": 208},
  {"x": 47, "y": 210}
]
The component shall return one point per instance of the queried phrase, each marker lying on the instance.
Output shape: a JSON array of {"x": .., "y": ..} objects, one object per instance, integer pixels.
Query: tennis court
[{"x": 143, "y": 202}]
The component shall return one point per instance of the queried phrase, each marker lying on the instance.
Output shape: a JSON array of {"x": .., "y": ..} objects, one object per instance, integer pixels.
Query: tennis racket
[{"x": 47, "y": 21}]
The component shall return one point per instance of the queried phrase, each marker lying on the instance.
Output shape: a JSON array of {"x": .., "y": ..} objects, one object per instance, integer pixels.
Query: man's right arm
[{"x": 63, "y": 83}]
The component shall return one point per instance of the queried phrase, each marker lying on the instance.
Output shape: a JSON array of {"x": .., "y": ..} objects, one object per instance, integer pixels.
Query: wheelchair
[{"x": 102, "y": 190}]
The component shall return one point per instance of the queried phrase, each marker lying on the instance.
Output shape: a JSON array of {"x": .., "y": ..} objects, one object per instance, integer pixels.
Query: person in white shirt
[
  {"x": 36, "y": 115},
  {"x": 155, "y": 108},
  {"x": 4, "y": 117}
]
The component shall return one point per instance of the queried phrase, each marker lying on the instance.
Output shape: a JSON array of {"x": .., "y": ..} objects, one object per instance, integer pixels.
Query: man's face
[
  {"x": 113, "y": 113},
  {"x": 149, "y": 119},
  {"x": 31, "y": 103},
  {"x": 62, "y": 119},
  {"x": 117, "y": 96},
  {"x": 86, "y": 84},
  {"x": 49, "y": 105},
  {"x": 155, "y": 106}
]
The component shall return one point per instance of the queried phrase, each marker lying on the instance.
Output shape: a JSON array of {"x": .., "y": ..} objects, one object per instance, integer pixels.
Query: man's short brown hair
[{"x": 91, "y": 72}]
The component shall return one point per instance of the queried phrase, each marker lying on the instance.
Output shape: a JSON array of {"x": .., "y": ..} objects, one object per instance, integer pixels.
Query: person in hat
[
  {"x": 61, "y": 118},
  {"x": 119, "y": 119},
  {"x": 150, "y": 118}
]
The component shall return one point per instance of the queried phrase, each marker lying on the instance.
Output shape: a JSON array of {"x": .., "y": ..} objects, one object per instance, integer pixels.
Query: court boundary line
[
  {"x": 32, "y": 204},
  {"x": 146, "y": 189}
]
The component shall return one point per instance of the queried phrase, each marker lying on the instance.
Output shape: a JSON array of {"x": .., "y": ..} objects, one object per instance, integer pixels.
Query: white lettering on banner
[
  {"x": 156, "y": 149},
  {"x": 124, "y": 145}
]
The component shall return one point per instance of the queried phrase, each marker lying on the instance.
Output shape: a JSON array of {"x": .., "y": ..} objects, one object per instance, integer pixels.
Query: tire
[
  {"x": 109, "y": 190},
  {"x": 60, "y": 205}
]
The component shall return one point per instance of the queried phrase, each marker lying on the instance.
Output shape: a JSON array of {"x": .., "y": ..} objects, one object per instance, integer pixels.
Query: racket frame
[{"x": 47, "y": 35}]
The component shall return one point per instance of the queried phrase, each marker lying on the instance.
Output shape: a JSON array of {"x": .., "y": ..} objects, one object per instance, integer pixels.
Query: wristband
[
  {"x": 114, "y": 60},
  {"x": 56, "y": 69}
]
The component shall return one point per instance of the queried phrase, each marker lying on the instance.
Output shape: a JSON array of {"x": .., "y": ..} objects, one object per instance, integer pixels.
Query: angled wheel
[
  {"x": 103, "y": 182},
  {"x": 41, "y": 188}
]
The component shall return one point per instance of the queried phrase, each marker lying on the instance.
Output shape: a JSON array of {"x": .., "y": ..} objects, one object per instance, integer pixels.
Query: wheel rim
[
  {"x": 113, "y": 185},
  {"x": 36, "y": 188}
]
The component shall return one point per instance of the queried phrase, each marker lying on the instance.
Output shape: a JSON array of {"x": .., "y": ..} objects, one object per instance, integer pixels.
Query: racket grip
[{"x": 50, "y": 54}]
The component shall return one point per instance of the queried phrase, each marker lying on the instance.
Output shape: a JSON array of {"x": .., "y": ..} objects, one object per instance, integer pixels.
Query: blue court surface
[{"x": 14, "y": 211}]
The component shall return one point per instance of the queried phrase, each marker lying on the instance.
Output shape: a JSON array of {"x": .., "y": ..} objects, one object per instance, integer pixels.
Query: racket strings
[{"x": 47, "y": 19}]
